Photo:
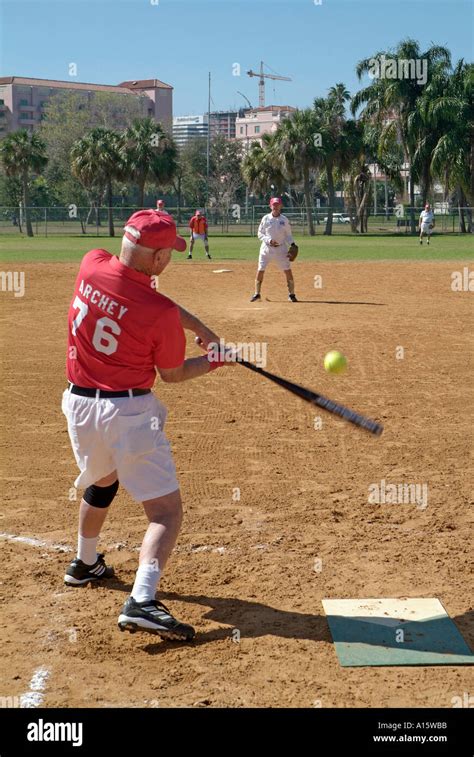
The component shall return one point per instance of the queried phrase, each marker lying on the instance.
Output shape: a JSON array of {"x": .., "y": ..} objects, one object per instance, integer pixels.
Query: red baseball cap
[
  {"x": 154, "y": 229},
  {"x": 276, "y": 200}
]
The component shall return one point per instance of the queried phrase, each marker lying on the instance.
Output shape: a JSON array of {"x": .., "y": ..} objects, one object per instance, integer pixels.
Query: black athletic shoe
[
  {"x": 255, "y": 298},
  {"x": 153, "y": 617},
  {"x": 208, "y": 257},
  {"x": 79, "y": 573},
  {"x": 292, "y": 298},
  {"x": 190, "y": 257}
]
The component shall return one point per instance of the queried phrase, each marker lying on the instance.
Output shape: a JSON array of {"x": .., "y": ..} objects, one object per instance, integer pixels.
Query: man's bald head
[{"x": 144, "y": 259}]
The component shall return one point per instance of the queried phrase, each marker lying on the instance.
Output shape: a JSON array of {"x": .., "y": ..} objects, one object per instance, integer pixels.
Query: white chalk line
[
  {"x": 208, "y": 548},
  {"x": 30, "y": 541},
  {"x": 34, "y": 697},
  {"x": 41, "y": 543}
]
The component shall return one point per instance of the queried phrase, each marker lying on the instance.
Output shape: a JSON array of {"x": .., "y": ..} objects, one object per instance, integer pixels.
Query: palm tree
[
  {"x": 340, "y": 140},
  {"x": 260, "y": 168},
  {"x": 296, "y": 147},
  {"x": 148, "y": 152},
  {"x": 96, "y": 162},
  {"x": 382, "y": 147},
  {"x": 448, "y": 110},
  {"x": 392, "y": 102},
  {"x": 339, "y": 95},
  {"x": 355, "y": 175},
  {"x": 23, "y": 155}
]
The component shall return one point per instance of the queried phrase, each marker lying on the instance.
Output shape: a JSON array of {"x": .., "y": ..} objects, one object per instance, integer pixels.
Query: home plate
[
  {"x": 223, "y": 270},
  {"x": 408, "y": 631}
]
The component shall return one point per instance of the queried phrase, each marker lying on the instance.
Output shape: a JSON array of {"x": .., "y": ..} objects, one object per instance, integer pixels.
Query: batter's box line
[
  {"x": 44, "y": 544},
  {"x": 184, "y": 549},
  {"x": 39, "y": 543},
  {"x": 196, "y": 549}
]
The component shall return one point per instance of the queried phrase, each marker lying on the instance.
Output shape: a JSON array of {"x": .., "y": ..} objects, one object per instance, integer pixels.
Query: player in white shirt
[
  {"x": 275, "y": 235},
  {"x": 426, "y": 223},
  {"x": 160, "y": 205}
]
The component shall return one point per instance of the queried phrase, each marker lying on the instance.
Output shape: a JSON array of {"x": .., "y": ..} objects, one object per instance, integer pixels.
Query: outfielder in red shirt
[
  {"x": 121, "y": 332},
  {"x": 198, "y": 226}
]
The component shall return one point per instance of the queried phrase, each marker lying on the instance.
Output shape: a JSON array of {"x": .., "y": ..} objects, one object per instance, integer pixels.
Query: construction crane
[
  {"x": 245, "y": 98},
  {"x": 261, "y": 83}
]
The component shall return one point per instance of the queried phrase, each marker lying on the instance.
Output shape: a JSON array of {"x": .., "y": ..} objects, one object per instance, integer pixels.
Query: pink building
[
  {"x": 159, "y": 98},
  {"x": 259, "y": 121},
  {"x": 23, "y": 100}
]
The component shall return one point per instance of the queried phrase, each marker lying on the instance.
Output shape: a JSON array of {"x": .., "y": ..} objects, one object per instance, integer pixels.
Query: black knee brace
[{"x": 100, "y": 496}]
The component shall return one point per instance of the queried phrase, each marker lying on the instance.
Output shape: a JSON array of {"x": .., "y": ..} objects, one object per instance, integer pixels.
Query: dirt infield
[{"x": 303, "y": 528}]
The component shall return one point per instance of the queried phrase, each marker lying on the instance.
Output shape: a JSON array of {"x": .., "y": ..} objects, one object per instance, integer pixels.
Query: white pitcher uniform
[
  {"x": 426, "y": 219},
  {"x": 277, "y": 229}
]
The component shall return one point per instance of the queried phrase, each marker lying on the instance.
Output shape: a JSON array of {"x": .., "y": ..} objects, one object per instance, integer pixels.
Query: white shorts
[
  {"x": 199, "y": 236},
  {"x": 275, "y": 254},
  {"x": 425, "y": 229},
  {"x": 123, "y": 434}
]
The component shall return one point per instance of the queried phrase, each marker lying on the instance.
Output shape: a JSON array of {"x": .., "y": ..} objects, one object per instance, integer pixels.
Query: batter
[{"x": 121, "y": 333}]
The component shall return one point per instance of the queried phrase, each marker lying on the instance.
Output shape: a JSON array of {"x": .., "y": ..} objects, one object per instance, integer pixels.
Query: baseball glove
[{"x": 293, "y": 252}]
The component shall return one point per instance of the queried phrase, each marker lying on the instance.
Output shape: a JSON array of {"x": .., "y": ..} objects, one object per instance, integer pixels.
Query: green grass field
[{"x": 71, "y": 248}]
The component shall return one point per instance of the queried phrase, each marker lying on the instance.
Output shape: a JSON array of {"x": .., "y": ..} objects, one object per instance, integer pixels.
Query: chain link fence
[{"x": 237, "y": 221}]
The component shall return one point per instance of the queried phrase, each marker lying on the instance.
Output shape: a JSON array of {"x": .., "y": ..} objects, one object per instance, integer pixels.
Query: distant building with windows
[
  {"x": 254, "y": 123},
  {"x": 189, "y": 127},
  {"x": 223, "y": 123},
  {"x": 23, "y": 100},
  {"x": 186, "y": 128},
  {"x": 158, "y": 99}
]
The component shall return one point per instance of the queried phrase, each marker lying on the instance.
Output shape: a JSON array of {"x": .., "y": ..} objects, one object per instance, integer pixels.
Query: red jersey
[
  {"x": 120, "y": 327},
  {"x": 198, "y": 224}
]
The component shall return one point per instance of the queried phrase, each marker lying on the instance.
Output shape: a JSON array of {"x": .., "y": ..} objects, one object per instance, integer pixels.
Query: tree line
[{"x": 106, "y": 154}]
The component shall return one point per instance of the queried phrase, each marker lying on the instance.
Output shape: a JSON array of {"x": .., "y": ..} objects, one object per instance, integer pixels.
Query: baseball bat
[
  {"x": 361, "y": 421},
  {"x": 317, "y": 399}
]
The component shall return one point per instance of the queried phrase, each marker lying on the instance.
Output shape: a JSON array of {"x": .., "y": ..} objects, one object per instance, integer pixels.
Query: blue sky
[{"x": 179, "y": 41}]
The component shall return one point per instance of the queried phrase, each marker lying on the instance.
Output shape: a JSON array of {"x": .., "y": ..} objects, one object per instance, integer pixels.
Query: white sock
[
  {"x": 146, "y": 581},
  {"x": 87, "y": 549}
]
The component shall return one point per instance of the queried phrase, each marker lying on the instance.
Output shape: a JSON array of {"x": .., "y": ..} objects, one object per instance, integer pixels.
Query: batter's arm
[
  {"x": 192, "y": 368},
  {"x": 191, "y": 323}
]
